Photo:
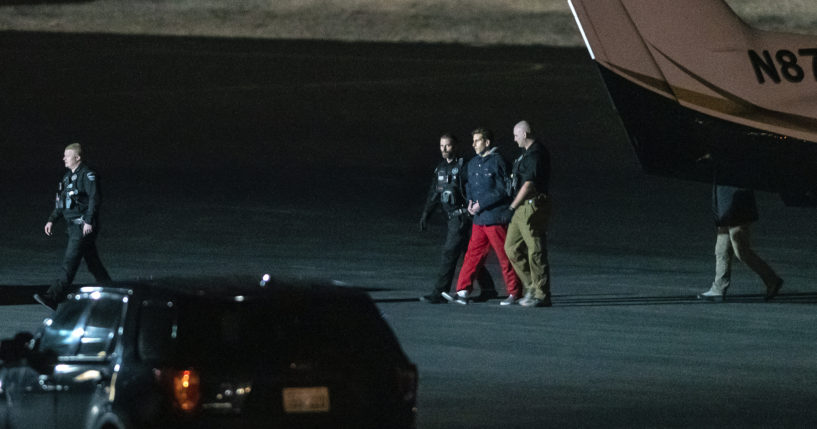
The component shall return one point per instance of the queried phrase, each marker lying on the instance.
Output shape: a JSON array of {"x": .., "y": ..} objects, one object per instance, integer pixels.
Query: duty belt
[
  {"x": 457, "y": 212},
  {"x": 536, "y": 198}
]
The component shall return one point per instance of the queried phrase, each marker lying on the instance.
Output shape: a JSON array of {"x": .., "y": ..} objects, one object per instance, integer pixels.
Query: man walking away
[
  {"x": 735, "y": 209},
  {"x": 78, "y": 201}
]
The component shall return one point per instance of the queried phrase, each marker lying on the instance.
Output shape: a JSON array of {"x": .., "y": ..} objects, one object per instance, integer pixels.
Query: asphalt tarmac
[{"x": 312, "y": 159}]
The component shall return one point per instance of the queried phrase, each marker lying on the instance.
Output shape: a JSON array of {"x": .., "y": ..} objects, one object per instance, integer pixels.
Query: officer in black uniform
[
  {"x": 448, "y": 192},
  {"x": 78, "y": 200}
]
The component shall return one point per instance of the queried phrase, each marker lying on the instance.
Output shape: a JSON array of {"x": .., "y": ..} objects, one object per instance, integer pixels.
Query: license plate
[{"x": 306, "y": 399}]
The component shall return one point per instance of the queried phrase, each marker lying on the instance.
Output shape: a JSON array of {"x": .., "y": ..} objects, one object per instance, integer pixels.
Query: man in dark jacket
[
  {"x": 448, "y": 192},
  {"x": 735, "y": 209},
  {"x": 78, "y": 200},
  {"x": 488, "y": 201}
]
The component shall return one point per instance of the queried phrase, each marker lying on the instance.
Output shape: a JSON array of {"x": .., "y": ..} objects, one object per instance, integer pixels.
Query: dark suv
[{"x": 209, "y": 353}]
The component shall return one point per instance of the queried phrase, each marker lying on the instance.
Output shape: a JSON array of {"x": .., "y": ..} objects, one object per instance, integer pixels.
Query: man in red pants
[{"x": 489, "y": 202}]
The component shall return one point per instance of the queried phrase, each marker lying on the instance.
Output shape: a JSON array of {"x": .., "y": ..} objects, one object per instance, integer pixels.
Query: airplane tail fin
[
  {"x": 646, "y": 40},
  {"x": 692, "y": 81}
]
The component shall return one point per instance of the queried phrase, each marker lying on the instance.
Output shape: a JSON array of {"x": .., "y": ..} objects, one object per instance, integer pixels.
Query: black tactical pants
[
  {"x": 456, "y": 241},
  {"x": 79, "y": 247}
]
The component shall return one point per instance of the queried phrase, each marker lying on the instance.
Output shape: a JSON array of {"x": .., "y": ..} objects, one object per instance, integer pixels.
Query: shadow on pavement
[
  {"x": 565, "y": 301},
  {"x": 391, "y": 300},
  {"x": 19, "y": 295},
  {"x": 23, "y": 295},
  {"x": 793, "y": 298}
]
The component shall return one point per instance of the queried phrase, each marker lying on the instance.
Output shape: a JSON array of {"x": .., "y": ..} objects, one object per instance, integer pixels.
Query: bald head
[
  {"x": 72, "y": 156},
  {"x": 522, "y": 126},
  {"x": 522, "y": 134}
]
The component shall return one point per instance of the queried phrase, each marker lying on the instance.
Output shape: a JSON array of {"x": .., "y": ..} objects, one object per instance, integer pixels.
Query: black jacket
[
  {"x": 78, "y": 196},
  {"x": 733, "y": 206}
]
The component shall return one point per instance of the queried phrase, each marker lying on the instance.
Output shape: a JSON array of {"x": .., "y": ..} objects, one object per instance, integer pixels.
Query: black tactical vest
[{"x": 449, "y": 184}]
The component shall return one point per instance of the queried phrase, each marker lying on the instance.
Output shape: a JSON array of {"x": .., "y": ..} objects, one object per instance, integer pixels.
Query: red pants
[{"x": 483, "y": 238}]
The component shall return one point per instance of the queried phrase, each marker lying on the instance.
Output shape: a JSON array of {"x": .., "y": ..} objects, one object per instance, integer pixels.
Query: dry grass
[{"x": 538, "y": 22}]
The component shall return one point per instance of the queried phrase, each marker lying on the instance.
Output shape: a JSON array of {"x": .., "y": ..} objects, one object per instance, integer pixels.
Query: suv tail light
[
  {"x": 186, "y": 390},
  {"x": 407, "y": 382},
  {"x": 184, "y": 385}
]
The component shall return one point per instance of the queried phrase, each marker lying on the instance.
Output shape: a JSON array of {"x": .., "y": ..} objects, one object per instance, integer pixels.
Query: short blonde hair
[{"x": 76, "y": 147}]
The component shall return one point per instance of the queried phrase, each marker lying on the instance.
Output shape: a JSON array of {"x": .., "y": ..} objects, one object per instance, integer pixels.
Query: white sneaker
[
  {"x": 713, "y": 294},
  {"x": 461, "y": 297},
  {"x": 510, "y": 300},
  {"x": 528, "y": 296}
]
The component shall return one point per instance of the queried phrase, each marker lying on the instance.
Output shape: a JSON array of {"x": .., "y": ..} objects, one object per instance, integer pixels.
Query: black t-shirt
[{"x": 533, "y": 166}]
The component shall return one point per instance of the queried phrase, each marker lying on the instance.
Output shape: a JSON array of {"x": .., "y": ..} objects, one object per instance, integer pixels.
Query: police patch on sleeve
[{"x": 91, "y": 176}]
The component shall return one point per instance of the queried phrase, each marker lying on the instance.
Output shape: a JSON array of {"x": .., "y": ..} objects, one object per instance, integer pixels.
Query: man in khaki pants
[
  {"x": 735, "y": 209},
  {"x": 526, "y": 242}
]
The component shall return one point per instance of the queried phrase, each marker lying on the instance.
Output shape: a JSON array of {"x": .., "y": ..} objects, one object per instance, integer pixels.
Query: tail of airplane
[{"x": 701, "y": 93}]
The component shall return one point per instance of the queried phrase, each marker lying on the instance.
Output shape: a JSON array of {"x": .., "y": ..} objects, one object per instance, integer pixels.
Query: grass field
[{"x": 475, "y": 22}]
